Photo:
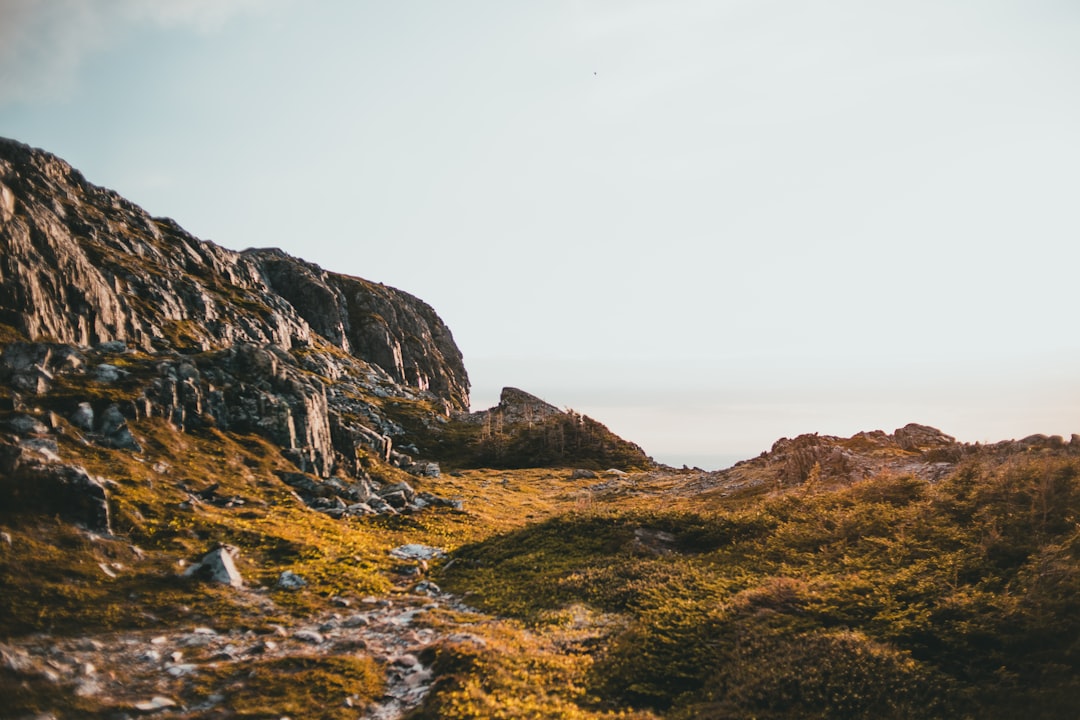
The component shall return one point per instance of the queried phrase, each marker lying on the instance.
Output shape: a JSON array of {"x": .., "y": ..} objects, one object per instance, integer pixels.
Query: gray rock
[
  {"x": 415, "y": 551},
  {"x": 25, "y": 425},
  {"x": 218, "y": 566},
  {"x": 309, "y": 636},
  {"x": 113, "y": 428},
  {"x": 583, "y": 474},
  {"x": 397, "y": 500},
  {"x": 288, "y": 580},
  {"x": 108, "y": 374},
  {"x": 402, "y": 488},
  {"x": 427, "y": 587},
  {"x": 155, "y": 704},
  {"x": 46, "y": 447},
  {"x": 83, "y": 417},
  {"x": 182, "y": 669}
]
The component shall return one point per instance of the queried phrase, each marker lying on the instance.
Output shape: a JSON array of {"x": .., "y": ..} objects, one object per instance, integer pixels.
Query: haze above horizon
[{"x": 706, "y": 224}]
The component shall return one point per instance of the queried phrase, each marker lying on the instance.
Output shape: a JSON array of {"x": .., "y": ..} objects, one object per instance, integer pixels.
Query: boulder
[
  {"x": 83, "y": 417},
  {"x": 25, "y": 425},
  {"x": 218, "y": 566},
  {"x": 921, "y": 437},
  {"x": 114, "y": 432},
  {"x": 68, "y": 491}
]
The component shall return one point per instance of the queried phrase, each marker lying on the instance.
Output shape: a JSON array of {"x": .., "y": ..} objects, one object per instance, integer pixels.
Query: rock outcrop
[
  {"x": 81, "y": 266},
  {"x": 109, "y": 316}
]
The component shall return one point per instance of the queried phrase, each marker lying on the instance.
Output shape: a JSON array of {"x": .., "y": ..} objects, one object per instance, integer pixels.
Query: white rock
[
  {"x": 308, "y": 636},
  {"x": 218, "y": 566},
  {"x": 154, "y": 704}
]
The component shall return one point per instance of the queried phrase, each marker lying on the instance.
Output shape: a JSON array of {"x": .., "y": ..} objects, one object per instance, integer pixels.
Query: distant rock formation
[
  {"x": 516, "y": 406},
  {"x": 919, "y": 450},
  {"x": 525, "y": 431}
]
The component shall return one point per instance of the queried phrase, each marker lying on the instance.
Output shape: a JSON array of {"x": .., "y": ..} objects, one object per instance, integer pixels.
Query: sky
[{"x": 708, "y": 224}]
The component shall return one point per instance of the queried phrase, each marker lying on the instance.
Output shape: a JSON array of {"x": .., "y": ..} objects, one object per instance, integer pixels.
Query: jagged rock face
[
  {"x": 80, "y": 265},
  {"x": 388, "y": 327}
]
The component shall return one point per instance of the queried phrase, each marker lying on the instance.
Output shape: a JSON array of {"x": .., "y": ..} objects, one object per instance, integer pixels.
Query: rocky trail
[{"x": 188, "y": 672}]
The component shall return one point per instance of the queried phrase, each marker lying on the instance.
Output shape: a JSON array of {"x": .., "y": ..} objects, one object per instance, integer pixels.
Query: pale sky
[{"x": 707, "y": 224}]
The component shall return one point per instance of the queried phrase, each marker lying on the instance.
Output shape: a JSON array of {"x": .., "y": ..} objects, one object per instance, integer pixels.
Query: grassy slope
[
  {"x": 635, "y": 597},
  {"x": 891, "y": 598}
]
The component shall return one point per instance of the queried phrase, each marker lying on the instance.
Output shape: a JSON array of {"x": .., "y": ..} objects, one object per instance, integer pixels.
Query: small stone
[
  {"x": 176, "y": 656},
  {"x": 182, "y": 669},
  {"x": 154, "y": 704},
  {"x": 159, "y": 640},
  {"x": 309, "y": 636},
  {"x": 288, "y": 580},
  {"x": 150, "y": 656},
  {"x": 407, "y": 660},
  {"x": 87, "y": 688},
  {"x": 415, "y": 551},
  {"x": 428, "y": 588},
  {"x": 5, "y": 538}
]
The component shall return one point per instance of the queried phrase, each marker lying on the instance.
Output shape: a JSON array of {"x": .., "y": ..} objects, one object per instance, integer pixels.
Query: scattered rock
[
  {"x": 288, "y": 580},
  {"x": 182, "y": 669},
  {"x": 106, "y": 373},
  {"x": 415, "y": 551},
  {"x": 309, "y": 636},
  {"x": 155, "y": 704},
  {"x": 583, "y": 474},
  {"x": 83, "y": 417},
  {"x": 25, "y": 425}
]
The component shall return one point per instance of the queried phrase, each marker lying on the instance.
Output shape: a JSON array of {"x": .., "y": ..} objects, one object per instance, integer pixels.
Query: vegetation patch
[{"x": 303, "y": 686}]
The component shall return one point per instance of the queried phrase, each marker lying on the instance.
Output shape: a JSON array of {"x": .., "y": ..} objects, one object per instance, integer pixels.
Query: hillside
[{"x": 236, "y": 485}]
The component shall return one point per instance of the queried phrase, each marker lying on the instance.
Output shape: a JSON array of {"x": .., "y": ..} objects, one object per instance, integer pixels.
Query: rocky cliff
[
  {"x": 81, "y": 265},
  {"x": 109, "y": 316}
]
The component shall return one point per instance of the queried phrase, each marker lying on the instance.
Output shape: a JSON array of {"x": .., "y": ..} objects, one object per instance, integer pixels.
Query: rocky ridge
[
  {"x": 819, "y": 461},
  {"x": 147, "y": 321}
]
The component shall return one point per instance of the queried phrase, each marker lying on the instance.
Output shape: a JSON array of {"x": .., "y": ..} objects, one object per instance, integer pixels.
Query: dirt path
[{"x": 170, "y": 674}]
